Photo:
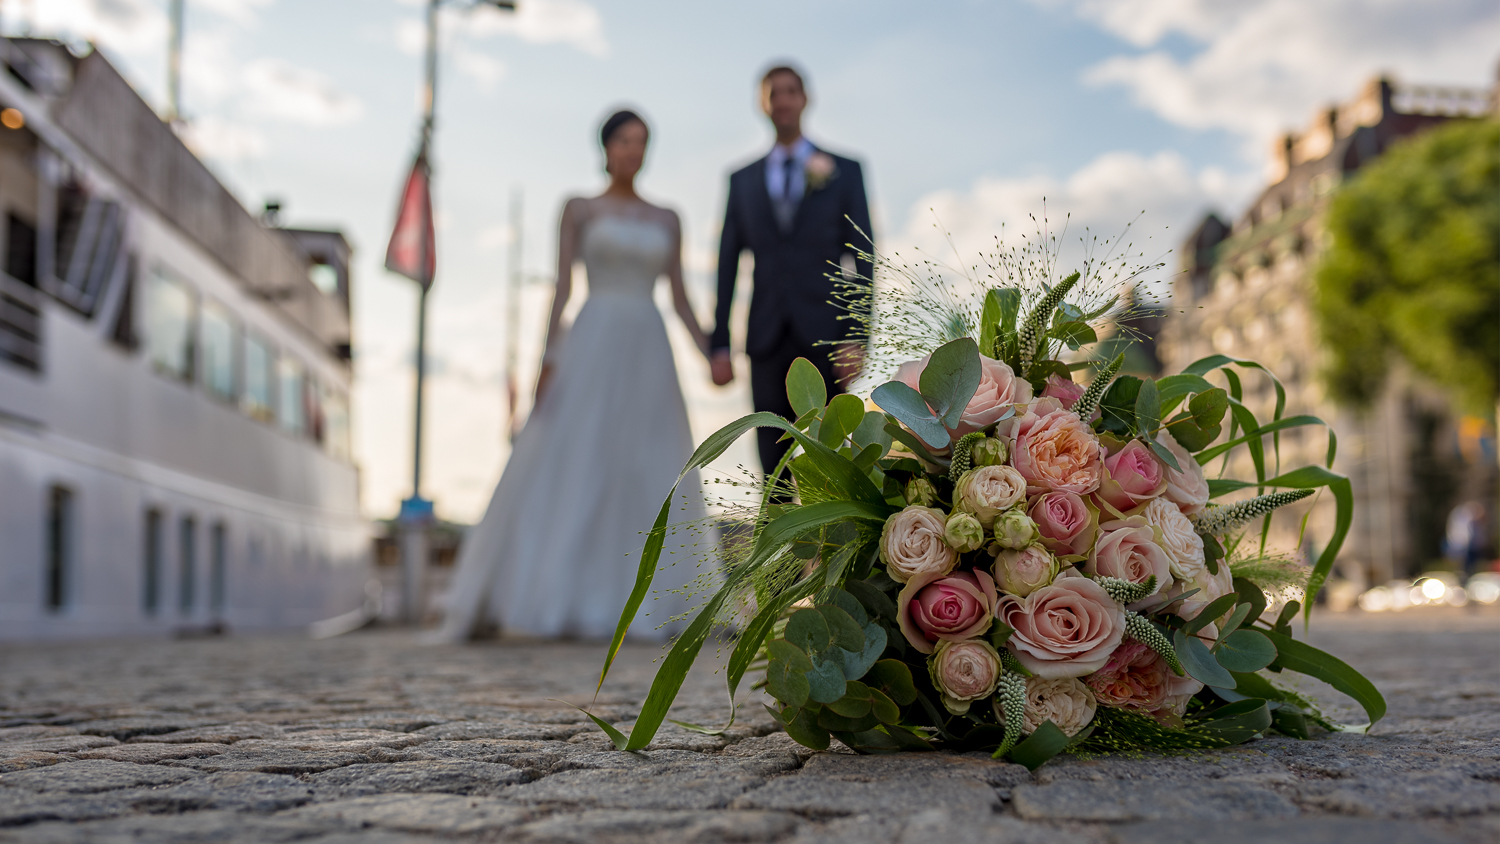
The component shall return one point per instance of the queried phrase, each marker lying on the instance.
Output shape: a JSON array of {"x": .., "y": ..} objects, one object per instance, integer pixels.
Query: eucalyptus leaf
[
  {"x": 893, "y": 677},
  {"x": 1210, "y": 613},
  {"x": 855, "y": 703},
  {"x": 802, "y": 726},
  {"x": 805, "y": 388},
  {"x": 1236, "y": 618},
  {"x": 1208, "y": 407},
  {"x": 843, "y": 632},
  {"x": 1199, "y": 661},
  {"x": 871, "y": 431},
  {"x": 1163, "y": 454},
  {"x": 843, "y": 415},
  {"x": 883, "y": 708},
  {"x": 851, "y": 605},
  {"x": 910, "y": 408},
  {"x": 949, "y": 380},
  {"x": 857, "y": 663},
  {"x": 1147, "y": 408},
  {"x": 1246, "y": 651},
  {"x": 808, "y": 631},
  {"x": 826, "y": 681},
  {"x": 834, "y": 722},
  {"x": 873, "y": 599}
]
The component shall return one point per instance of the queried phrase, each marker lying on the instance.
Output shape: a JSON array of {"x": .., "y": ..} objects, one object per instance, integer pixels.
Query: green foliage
[
  {"x": 1306, "y": 659},
  {"x": 1414, "y": 266}
]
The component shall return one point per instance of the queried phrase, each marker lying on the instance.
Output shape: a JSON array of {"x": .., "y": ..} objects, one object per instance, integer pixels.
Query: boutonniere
[{"x": 820, "y": 170}]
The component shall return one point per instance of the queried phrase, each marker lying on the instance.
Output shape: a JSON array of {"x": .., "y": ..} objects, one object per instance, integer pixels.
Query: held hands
[{"x": 721, "y": 367}]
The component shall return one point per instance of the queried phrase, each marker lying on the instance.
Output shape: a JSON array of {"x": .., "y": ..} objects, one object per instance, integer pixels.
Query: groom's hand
[{"x": 721, "y": 366}]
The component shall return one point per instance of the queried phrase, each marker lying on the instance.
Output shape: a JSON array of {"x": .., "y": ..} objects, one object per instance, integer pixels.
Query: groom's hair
[{"x": 765, "y": 79}]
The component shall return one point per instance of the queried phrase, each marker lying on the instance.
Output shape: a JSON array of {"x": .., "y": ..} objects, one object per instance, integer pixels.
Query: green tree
[{"x": 1413, "y": 267}]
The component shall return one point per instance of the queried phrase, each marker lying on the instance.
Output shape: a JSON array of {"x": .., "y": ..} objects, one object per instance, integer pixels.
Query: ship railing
[{"x": 20, "y": 323}]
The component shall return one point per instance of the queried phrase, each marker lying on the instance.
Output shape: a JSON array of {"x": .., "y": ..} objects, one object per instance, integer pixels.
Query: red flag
[{"x": 413, "y": 248}]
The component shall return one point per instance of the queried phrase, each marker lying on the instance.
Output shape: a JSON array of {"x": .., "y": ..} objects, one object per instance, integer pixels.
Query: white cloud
[
  {"x": 240, "y": 11},
  {"x": 486, "y": 71},
  {"x": 1100, "y": 198},
  {"x": 571, "y": 22},
  {"x": 224, "y": 141},
  {"x": 279, "y": 90},
  {"x": 130, "y": 26},
  {"x": 1259, "y": 67}
]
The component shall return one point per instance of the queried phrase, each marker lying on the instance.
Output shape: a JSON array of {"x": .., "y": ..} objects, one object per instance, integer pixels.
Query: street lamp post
[{"x": 416, "y": 512}]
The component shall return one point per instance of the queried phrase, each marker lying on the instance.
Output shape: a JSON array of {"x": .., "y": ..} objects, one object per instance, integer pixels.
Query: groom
[{"x": 800, "y": 211}]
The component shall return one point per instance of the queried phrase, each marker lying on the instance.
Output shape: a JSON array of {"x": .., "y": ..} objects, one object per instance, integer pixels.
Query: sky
[{"x": 967, "y": 115}]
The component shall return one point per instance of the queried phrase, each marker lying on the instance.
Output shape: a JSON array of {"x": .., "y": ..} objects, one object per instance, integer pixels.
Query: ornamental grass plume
[{"x": 1218, "y": 520}]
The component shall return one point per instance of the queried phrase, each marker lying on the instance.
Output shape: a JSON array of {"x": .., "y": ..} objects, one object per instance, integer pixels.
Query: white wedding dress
[{"x": 556, "y": 554}]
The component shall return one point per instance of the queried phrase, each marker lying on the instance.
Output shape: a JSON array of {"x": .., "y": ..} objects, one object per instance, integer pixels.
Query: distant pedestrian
[{"x": 1466, "y": 536}]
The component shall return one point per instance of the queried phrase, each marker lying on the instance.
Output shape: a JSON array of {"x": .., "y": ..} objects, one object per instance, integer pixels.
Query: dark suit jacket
[{"x": 793, "y": 300}]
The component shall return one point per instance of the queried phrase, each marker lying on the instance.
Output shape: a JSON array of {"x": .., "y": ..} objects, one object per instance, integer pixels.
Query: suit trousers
[{"x": 768, "y": 391}]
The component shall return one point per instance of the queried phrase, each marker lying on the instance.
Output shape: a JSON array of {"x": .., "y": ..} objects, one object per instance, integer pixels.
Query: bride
[{"x": 556, "y": 552}]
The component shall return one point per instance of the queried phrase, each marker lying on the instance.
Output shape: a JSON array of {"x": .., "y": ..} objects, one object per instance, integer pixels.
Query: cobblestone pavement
[{"x": 375, "y": 738}]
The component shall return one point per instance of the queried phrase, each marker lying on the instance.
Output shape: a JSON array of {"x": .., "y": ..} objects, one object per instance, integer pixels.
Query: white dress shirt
[{"x": 776, "y": 171}]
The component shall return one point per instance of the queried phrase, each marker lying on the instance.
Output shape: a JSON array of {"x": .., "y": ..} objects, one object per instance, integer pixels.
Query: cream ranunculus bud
[
  {"x": 1015, "y": 530},
  {"x": 921, "y": 491},
  {"x": 1065, "y": 701},
  {"x": 964, "y": 532},
  {"x": 990, "y": 452},
  {"x": 988, "y": 491},
  {"x": 1024, "y": 571}
]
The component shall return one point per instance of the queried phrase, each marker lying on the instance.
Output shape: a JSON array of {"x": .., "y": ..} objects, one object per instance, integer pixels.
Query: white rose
[
  {"x": 1183, "y": 545},
  {"x": 912, "y": 543},
  {"x": 1065, "y": 701},
  {"x": 988, "y": 491}
]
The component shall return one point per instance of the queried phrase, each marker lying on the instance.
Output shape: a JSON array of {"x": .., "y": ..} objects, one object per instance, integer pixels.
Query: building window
[
  {"x": 169, "y": 326},
  {"x": 312, "y": 398},
  {"x": 20, "y": 250},
  {"x": 59, "y": 546},
  {"x": 218, "y": 564},
  {"x": 289, "y": 410},
  {"x": 124, "y": 333},
  {"x": 218, "y": 351},
  {"x": 259, "y": 378},
  {"x": 151, "y": 580},
  {"x": 187, "y": 559},
  {"x": 336, "y": 434}
]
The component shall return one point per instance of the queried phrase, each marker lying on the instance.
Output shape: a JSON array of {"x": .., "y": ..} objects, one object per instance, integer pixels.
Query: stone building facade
[{"x": 1244, "y": 291}]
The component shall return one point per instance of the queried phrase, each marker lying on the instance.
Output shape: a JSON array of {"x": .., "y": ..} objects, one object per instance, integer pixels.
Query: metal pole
[{"x": 174, "y": 63}]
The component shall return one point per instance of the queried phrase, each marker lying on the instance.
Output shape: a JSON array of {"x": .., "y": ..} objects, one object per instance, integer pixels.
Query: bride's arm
[
  {"x": 567, "y": 236},
  {"x": 680, "y": 301}
]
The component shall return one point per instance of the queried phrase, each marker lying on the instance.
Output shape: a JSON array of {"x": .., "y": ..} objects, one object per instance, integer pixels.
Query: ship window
[
  {"x": 218, "y": 351},
  {"x": 89, "y": 247},
  {"x": 59, "y": 546},
  {"x": 151, "y": 580},
  {"x": 187, "y": 564},
  {"x": 312, "y": 398},
  {"x": 289, "y": 408},
  {"x": 20, "y": 250},
  {"x": 325, "y": 277},
  {"x": 336, "y": 432},
  {"x": 256, "y": 399},
  {"x": 169, "y": 326},
  {"x": 218, "y": 563}
]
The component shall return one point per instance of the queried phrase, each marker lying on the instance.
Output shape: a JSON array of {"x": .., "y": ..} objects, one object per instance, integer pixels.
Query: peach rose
[
  {"x": 988, "y": 491},
  {"x": 1067, "y": 524},
  {"x": 1065, "y": 701},
  {"x": 964, "y": 672},
  {"x": 1182, "y": 543},
  {"x": 952, "y": 608},
  {"x": 1132, "y": 476},
  {"x": 912, "y": 543},
  {"x": 1135, "y": 677},
  {"x": 999, "y": 390},
  {"x": 1055, "y": 451},
  {"x": 1127, "y": 549},
  {"x": 1186, "y": 486},
  {"x": 1067, "y": 629}
]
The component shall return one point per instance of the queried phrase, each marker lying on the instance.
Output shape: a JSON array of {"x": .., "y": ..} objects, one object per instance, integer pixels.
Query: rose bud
[
  {"x": 990, "y": 452},
  {"x": 964, "y": 532},
  {"x": 964, "y": 672},
  {"x": 1065, "y": 390},
  {"x": 1014, "y": 529},
  {"x": 1022, "y": 572},
  {"x": 921, "y": 491},
  {"x": 988, "y": 491}
]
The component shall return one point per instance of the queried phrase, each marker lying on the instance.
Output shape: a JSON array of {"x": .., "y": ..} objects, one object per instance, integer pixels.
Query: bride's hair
[{"x": 616, "y": 121}]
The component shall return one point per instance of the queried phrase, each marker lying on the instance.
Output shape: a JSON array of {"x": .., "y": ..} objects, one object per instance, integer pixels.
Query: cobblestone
[{"x": 376, "y": 738}]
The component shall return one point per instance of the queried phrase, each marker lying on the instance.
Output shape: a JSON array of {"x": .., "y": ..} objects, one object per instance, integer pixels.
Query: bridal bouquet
[{"x": 1003, "y": 552}]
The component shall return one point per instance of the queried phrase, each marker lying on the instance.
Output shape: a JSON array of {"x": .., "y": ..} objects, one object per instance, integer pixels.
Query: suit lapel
[
  {"x": 808, "y": 196},
  {"x": 761, "y": 198}
]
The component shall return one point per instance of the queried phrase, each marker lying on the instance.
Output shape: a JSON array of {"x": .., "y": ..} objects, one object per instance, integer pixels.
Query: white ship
[{"x": 174, "y": 380}]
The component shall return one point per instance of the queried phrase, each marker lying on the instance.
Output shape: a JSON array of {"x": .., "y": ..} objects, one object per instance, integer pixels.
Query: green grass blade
[{"x": 1305, "y": 659}]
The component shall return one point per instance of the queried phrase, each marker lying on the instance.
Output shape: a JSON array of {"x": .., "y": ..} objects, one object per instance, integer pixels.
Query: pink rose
[
  {"x": 912, "y": 544},
  {"x": 1135, "y": 677},
  {"x": 1132, "y": 476},
  {"x": 1055, "y": 451},
  {"x": 1065, "y": 390},
  {"x": 1127, "y": 549},
  {"x": 932, "y": 608},
  {"x": 1067, "y": 629},
  {"x": 1187, "y": 488},
  {"x": 1067, "y": 524},
  {"x": 999, "y": 390},
  {"x": 964, "y": 672},
  {"x": 1210, "y": 588}
]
